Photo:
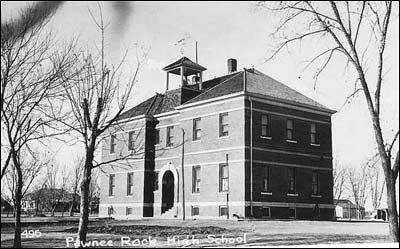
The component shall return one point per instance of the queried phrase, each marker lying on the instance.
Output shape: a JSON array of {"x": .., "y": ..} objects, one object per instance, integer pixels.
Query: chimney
[{"x": 232, "y": 65}]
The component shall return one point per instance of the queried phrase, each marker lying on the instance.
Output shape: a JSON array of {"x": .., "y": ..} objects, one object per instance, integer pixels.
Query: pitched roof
[
  {"x": 138, "y": 110},
  {"x": 259, "y": 83},
  {"x": 229, "y": 85},
  {"x": 256, "y": 82},
  {"x": 159, "y": 103},
  {"x": 184, "y": 61},
  {"x": 344, "y": 203},
  {"x": 168, "y": 102}
]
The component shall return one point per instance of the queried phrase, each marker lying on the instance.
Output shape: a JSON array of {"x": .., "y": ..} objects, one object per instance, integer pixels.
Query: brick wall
[
  {"x": 280, "y": 155},
  {"x": 211, "y": 150}
]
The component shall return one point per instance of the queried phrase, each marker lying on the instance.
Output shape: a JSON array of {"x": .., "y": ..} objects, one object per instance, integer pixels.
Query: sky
[{"x": 169, "y": 30}]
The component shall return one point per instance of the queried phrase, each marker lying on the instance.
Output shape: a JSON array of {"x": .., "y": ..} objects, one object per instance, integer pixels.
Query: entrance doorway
[{"x": 167, "y": 191}]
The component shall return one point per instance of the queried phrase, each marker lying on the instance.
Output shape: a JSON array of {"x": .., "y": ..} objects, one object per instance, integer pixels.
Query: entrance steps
[{"x": 169, "y": 214}]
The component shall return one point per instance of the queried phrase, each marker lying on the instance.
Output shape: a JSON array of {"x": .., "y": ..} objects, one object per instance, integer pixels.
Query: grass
[{"x": 259, "y": 233}]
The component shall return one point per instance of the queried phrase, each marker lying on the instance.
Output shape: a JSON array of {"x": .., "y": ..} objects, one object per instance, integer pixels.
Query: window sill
[
  {"x": 266, "y": 193},
  {"x": 196, "y": 141},
  {"x": 291, "y": 141},
  {"x": 268, "y": 138},
  {"x": 222, "y": 137},
  {"x": 317, "y": 145},
  {"x": 196, "y": 193},
  {"x": 294, "y": 195},
  {"x": 223, "y": 192},
  {"x": 316, "y": 196}
]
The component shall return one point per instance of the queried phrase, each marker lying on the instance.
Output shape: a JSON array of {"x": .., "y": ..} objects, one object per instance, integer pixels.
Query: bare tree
[
  {"x": 375, "y": 182},
  {"x": 31, "y": 168},
  {"x": 51, "y": 197},
  {"x": 31, "y": 70},
  {"x": 358, "y": 184},
  {"x": 339, "y": 179},
  {"x": 92, "y": 95},
  {"x": 94, "y": 189},
  {"x": 63, "y": 187},
  {"x": 344, "y": 28},
  {"x": 75, "y": 181}
]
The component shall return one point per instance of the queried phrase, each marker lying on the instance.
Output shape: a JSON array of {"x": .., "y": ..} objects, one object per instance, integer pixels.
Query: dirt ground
[{"x": 200, "y": 233}]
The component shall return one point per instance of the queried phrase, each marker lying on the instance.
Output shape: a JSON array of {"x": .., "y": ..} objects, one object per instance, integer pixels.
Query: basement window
[
  {"x": 129, "y": 211},
  {"x": 223, "y": 211},
  {"x": 195, "y": 210}
]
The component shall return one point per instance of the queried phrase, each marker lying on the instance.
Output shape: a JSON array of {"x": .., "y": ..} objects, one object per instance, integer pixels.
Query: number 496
[{"x": 31, "y": 233}]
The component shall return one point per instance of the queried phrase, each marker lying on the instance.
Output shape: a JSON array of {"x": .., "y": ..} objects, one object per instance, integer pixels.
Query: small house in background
[
  {"x": 381, "y": 213},
  {"x": 345, "y": 209},
  {"x": 6, "y": 206},
  {"x": 48, "y": 200}
]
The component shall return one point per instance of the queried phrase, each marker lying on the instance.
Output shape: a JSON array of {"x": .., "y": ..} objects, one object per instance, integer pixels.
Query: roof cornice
[{"x": 292, "y": 104}]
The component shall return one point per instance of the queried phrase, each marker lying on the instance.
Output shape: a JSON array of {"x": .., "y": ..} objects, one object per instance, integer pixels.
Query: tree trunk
[
  {"x": 71, "y": 213},
  {"x": 84, "y": 206},
  {"x": 17, "y": 208},
  {"x": 392, "y": 209}
]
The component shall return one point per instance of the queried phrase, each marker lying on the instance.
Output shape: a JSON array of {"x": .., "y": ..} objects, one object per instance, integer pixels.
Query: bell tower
[{"x": 184, "y": 68}]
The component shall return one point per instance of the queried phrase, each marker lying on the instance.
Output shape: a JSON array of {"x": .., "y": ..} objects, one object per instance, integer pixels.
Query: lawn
[{"x": 201, "y": 233}]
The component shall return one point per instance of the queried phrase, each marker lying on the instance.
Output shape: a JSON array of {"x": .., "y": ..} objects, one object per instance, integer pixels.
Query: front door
[{"x": 167, "y": 191}]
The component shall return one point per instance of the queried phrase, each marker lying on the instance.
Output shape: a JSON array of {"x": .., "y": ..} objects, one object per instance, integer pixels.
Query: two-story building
[{"x": 242, "y": 144}]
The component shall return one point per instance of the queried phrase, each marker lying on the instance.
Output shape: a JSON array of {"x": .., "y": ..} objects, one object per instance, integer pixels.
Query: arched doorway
[{"x": 167, "y": 191}]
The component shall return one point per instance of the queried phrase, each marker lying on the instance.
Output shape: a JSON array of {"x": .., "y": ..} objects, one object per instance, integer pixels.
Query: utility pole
[
  {"x": 227, "y": 192},
  {"x": 183, "y": 174}
]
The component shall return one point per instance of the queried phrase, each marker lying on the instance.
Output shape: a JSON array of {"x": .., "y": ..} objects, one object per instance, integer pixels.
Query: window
[
  {"x": 315, "y": 183},
  {"x": 157, "y": 136},
  {"x": 292, "y": 180},
  {"x": 155, "y": 180},
  {"x": 111, "y": 185},
  {"x": 266, "y": 212},
  {"x": 129, "y": 184},
  {"x": 265, "y": 126},
  {"x": 170, "y": 136},
  {"x": 266, "y": 182},
  {"x": 223, "y": 178},
  {"x": 196, "y": 179},
  {"x": 223, "y": 124},
  {"x": 195, "y": 210},
  {"x": 129, "y": 211},
  {"x": 290, "y": 129},
  {"x": 196, "y": 129},
  {"x": 223, "y": 211},
  {"x": 112, "y": 143},
  {"x": 131, "y": 140},
  {"x": 313, "y": 133}
]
